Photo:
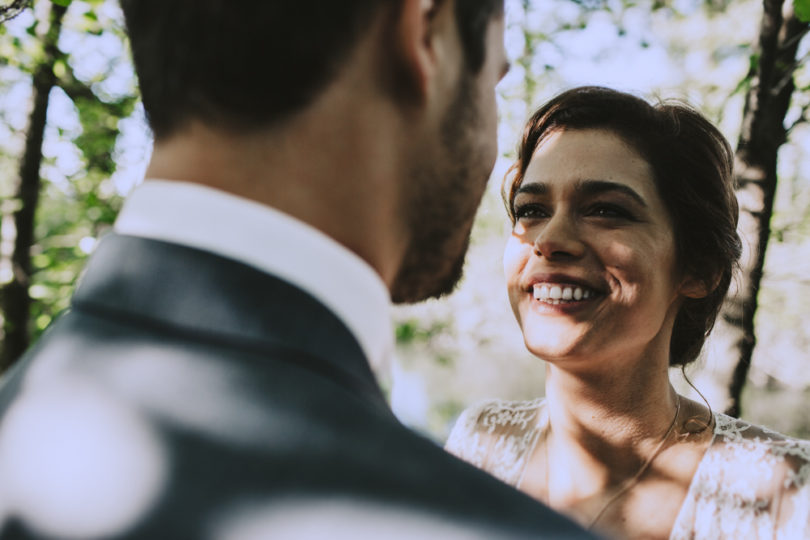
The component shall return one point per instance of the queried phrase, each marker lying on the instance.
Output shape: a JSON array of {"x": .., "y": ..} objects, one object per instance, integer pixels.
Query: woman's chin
[
  {"x": 555, "y": 341},
  {"x": 553, "y": 346}
]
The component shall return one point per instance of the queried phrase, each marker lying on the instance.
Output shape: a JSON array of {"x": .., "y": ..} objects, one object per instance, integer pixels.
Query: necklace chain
[{"x": 629, "y": 483}]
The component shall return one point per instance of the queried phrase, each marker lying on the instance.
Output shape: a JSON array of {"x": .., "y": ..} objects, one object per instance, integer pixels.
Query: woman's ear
[{"x": 698, "y": 288}]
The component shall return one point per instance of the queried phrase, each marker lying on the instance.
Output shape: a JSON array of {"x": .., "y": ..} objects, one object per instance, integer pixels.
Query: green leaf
[
  {"x": 65, "y": 3},
  {"x": 802, "y": 10}
]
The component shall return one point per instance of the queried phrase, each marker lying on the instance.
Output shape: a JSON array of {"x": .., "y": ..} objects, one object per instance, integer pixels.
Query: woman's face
[{"x": 590, "y": 264}]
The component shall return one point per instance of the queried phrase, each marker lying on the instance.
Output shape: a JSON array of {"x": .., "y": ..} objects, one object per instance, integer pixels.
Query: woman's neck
[
  {"x": 616, "y": 431},
  {"x": 619, "y": 409},
  {"x": 603, "y": 428}
]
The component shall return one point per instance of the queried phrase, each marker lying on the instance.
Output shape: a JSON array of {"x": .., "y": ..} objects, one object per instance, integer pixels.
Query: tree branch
[
  {"x": 13, "y": 9},
  {"x": 793, "y": 40},
  {"x": 803, "y": 118}
]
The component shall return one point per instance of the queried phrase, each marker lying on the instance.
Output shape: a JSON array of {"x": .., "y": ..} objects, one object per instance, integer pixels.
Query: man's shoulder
[
  {"x": 87, "y": 451},
  {"x": 95, "y": 444}
]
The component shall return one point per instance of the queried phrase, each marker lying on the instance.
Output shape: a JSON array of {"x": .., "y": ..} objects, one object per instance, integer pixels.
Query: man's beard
[{"x": 441, "y": 205}]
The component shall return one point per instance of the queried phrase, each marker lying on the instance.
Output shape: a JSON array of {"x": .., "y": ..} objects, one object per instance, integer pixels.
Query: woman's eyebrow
[
  {"x": 595, "y": 187},
  {"x": 532, "y": 188},
  {"x": 586, "y": 187}
]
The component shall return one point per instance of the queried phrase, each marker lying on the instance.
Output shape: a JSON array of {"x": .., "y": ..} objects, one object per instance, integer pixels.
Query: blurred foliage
[
  {"x": 413, "y": 330},
  {"x": 78, "y": 201},
  {"x": 802, "y": 9}
]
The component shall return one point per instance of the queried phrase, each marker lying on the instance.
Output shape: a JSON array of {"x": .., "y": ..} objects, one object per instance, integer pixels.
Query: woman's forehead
[{"x": 568, "y": 157}]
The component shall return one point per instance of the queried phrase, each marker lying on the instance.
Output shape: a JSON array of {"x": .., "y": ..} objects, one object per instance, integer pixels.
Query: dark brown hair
[
  {"x": 250, "y": 64},
  {"x": 692, "y": 165}
]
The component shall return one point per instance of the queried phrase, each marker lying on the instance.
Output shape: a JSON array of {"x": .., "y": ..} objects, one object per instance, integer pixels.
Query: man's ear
[{"x": 416, "y": 45}]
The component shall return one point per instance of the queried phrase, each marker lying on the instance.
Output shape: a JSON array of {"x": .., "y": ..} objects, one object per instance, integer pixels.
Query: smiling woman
[
  {"x": 622, "y": 249},
  {"x": 598, "y": 225}
]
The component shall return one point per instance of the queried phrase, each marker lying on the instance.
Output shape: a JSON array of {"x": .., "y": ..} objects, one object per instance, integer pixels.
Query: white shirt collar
[{"x": 267, "y": 239}]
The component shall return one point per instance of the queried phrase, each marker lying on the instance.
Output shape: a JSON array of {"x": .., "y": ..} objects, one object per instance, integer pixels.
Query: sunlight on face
[{"x": 590, "y": 264}]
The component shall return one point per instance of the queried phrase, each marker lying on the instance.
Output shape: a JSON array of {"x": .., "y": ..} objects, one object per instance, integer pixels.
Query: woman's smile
[
  {"x": 556, "y": 294},
  {"x": 560, "y": 293}
]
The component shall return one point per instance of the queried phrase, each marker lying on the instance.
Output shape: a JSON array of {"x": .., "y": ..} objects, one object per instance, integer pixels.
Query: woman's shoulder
[
  {"x": 752, "y": 442},
  {"x": 751, "y": 478},
  {"x": 497, "y": 435},
  {"x": 492, "y": 414},
  {"x": 752, "y": 463}
]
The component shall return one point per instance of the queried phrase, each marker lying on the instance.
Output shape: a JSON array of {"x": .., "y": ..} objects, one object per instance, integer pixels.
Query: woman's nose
[{"x": 559, "y": 238}]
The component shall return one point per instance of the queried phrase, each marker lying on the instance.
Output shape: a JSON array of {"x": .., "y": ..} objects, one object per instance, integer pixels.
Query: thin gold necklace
[{"x": 635, "y": 478}]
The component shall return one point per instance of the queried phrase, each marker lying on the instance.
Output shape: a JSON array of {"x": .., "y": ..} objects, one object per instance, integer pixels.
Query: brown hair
[
  {"x": 250, "y": 64},
  {"x": 692, "y": 165}
]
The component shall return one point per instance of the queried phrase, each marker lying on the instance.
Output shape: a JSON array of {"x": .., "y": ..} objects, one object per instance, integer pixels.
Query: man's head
[
  {"x": 263, "y": 65},
  {"x": 448, "y": 182},
  {"x": 252, "y": 64}
]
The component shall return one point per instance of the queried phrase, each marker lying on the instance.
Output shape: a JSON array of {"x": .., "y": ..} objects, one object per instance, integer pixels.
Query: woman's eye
[
  {"x": 610, "y": 211},
  {"x": 530, "y": 211}
]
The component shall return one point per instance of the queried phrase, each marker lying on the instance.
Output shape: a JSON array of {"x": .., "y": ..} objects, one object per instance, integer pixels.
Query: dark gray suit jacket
[{"x": 186, "y": 395}]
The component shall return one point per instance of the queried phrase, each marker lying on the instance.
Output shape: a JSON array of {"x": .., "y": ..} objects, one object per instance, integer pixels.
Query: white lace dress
[{"x": 751, "y": 483}]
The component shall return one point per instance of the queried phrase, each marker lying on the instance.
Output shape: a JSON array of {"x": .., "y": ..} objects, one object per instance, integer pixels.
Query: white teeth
[
  {"x": 567, "y": 293},
  {"x": 557, "y": 294}
]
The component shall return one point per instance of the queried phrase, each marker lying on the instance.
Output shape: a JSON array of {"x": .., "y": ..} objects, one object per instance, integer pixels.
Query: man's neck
[{"x": 311, "y": 170}]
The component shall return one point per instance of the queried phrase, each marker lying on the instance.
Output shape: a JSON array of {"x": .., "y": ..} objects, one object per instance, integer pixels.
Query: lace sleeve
[
  {"x": 793, "y": 501},
  {"x": 752, "y": 483},
  {"x": 497, "y": 436},
  {"x": 465, "y": 440}
]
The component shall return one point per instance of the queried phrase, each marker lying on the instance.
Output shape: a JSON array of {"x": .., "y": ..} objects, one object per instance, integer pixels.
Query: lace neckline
[
  {"x": 749, "y": 480},
  {"x": 721, "y": 423}
]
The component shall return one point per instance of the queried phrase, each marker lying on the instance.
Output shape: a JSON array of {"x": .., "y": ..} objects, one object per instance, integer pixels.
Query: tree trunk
[
  {"x": 15, "y": 300},
  {"x": 763, "y": 132}
]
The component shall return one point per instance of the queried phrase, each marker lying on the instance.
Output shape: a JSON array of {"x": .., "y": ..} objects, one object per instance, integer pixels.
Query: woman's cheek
[
  {"x": 516, "y": 255},
  {"x": 514, "y": 258}
]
